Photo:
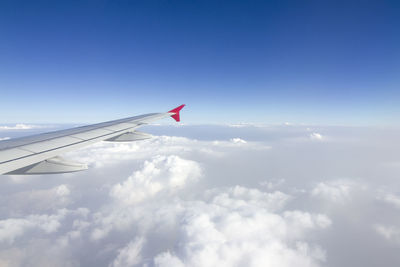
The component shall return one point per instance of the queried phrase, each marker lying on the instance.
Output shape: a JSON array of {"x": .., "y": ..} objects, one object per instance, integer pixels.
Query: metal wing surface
[{"x": 39, "y": 154}]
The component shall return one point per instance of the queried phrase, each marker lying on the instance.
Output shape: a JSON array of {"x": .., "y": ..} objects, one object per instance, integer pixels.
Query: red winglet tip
[{"x": 176, "y": 111}]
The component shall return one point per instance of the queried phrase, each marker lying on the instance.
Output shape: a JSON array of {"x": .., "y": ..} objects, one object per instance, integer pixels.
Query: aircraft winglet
[{"x": 176, "y": 110}]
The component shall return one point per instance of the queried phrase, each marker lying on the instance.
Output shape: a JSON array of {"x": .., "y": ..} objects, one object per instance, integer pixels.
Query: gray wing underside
[{"x": 39, "y": 154}]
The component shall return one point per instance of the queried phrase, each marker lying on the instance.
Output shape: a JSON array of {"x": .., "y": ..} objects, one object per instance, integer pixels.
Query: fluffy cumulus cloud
[
  {"x": 335, "y": 191},
  {"x": 40, "y": 200},
  {"x": 240, "y": 226},
  {"x": 160, "y": 175},
  {"x": 226, "y": 226},
  {"x": 13, "y": 228},
  {"x": 216, "y": 196},
  {"x": 129, "y": 255}
]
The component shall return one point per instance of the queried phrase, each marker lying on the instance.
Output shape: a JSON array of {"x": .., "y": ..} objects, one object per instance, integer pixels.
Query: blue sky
[{"x": 317, "y": 62}]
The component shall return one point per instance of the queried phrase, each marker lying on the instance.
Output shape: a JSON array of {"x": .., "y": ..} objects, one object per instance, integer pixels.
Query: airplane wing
[{"x": 39, "y": 154}]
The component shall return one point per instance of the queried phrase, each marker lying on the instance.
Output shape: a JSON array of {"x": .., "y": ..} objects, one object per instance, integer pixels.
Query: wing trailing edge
[
  {"x": 129, "y": 137},
  {"x": 51, "y": 166}
]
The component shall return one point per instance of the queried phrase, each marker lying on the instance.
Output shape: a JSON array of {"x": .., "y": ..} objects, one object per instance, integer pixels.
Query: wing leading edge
[{"x": 39, "y": 154}]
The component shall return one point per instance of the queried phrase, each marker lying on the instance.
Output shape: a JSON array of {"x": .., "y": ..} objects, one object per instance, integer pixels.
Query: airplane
[{"x": 39, "y": 154}]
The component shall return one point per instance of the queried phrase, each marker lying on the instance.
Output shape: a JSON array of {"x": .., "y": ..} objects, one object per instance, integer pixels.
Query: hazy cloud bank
[{"x": 256, "y": 197}]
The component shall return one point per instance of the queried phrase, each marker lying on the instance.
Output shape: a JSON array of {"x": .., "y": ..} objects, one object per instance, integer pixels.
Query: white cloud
[
  {"x": 159, "y": 180},
  {"x": 166, "y": 259},
  {"x": 4, "y": 138},
  {"x": 390, "y": 199},
  {"x": 338, "y": 191},
  {"x": 272, "y": 184},
  {"x": 227, "y": 227},
  {"x": 129, "y": 255},
  {"x": 238, "y": 141},
  {"x": 160, "y": 175},
  {"x": 177, "y": 201},
  {"x": 246, "y": 125},
  {"x": 40, "y": 200},
  {"x": 316, "y": 136},
  {"x": 11, "y": 257},
  {"x": 240, "y": 197},
  {"x": 20, "y": 126},
  {"x": 106, "y": 153},
  {"x": 224, "y": 227},
  {"x": 237, "y": 228},
  {"x": 238, "y": 125},
  {"x": 391, "y": 233},
  {"x": 12, "y": 228},
  {"x": 62, "y": 190}
]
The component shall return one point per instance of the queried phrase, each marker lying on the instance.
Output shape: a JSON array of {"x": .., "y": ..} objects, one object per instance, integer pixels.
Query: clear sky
[{"x": 319, "y": 62}]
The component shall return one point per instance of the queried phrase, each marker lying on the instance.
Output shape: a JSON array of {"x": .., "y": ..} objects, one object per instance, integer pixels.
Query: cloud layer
[
  {"x": 19, "y": 126},
  {"x": 256, "y": 196}
]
